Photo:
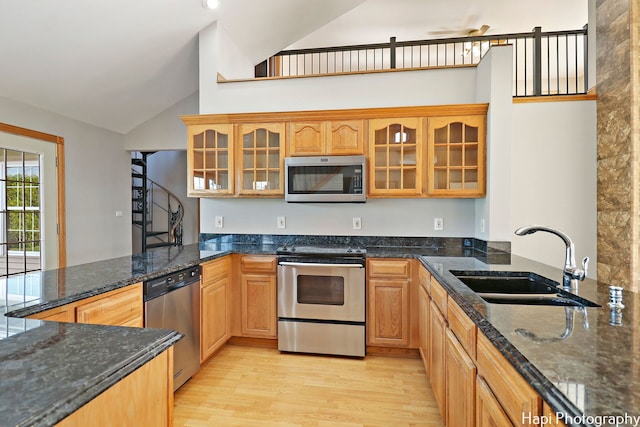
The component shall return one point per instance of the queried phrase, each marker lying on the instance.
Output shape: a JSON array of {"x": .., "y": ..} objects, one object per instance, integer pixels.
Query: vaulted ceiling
[{"x": 116, "y": 63}]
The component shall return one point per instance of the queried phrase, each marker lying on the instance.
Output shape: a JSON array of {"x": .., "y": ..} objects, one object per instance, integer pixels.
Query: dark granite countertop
[
  {"x": 50, "y": 371},
  {"x": 576, "y": 359},
  {"x": 593, "y": 371}
]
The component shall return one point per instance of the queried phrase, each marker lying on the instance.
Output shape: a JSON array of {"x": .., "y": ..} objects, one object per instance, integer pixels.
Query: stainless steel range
[{"x": 321, "y": 300}]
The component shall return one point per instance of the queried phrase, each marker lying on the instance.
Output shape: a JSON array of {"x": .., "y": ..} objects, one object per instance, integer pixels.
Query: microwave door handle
[{"x": 313, "y": 264}]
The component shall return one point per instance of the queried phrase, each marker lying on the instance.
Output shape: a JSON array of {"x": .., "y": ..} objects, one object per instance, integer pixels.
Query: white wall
[
  {"x": 97, "y": 179},
  {"x": 380, "y": 217},
  {"x": 553, "y": 180},
  {"x": 165, "y": 131},
  {"x": 493, "y": 213}
]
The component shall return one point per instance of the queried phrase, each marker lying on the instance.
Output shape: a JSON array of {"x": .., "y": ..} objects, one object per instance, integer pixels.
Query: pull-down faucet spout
[{"x": 571, "y": 273}]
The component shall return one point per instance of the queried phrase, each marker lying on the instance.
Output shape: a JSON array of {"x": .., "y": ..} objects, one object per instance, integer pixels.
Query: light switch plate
[
  {"x": 438, "y": 224},
  {"x": 219, "y": 221},
  {"x": 282, "y": 222}
]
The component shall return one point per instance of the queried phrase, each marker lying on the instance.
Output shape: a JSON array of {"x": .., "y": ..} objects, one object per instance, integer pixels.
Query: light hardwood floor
[{"x": 253, "y": 386}]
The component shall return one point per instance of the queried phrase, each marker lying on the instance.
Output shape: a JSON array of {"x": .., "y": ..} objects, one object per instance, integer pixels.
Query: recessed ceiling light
[{"x": 210, "y": 4}]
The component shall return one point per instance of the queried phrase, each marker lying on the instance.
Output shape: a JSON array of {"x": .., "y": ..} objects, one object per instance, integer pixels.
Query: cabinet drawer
[
  {"x": 462, "y": 327},
  {"x": 258, "y": 264},
  {"x": 215, "y": 269},
  {"x": 512, "y": 391},
  {"x": 424, "y": 278},
  {"x": 439, "y": 296},
  {"x": 119, "y": 308},
  {"x": 389, "y": 267}
]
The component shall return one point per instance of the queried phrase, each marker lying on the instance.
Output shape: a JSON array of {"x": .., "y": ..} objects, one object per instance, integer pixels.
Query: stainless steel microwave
[{"x": 336, "y": 179}]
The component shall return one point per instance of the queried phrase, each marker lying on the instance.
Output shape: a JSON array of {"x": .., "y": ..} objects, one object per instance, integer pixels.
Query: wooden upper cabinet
[
  {"x": 260, "y": 159},
  {"x": 395, "y": 157},
  {"x": 210, "y": 160},
  {"x": 345, "y": 137},
  {"x": 456, "y": 156}
]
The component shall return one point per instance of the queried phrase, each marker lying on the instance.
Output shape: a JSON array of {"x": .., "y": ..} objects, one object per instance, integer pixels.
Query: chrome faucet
[{"x": 571, "y": 273}]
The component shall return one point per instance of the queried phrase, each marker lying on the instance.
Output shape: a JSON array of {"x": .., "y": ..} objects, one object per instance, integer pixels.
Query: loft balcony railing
[{"x": 544, "y": 63}]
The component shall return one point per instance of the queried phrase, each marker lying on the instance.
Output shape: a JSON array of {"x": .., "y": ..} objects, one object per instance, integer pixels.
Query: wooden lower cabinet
[
  {"x": 258, "y": 317},
  {"x": 120, "y": 307},
  {"x": 550, "y": 417},
  {"x": 215, "y": 320},
  {"x": 437, "y": 357},
  {"x": 489, "y": 413},
  {"x": 258, "y": 307},
  {"x": 143, "y": 398},
  {"x": 460, "y": 384},
  {"x": 518, "y": 400},
  {"x": 123, "y": 307},
  {"x": 423, "y": 326},
  {"x": 388, "y": 302},
  {"x": 65, "y": 313}
]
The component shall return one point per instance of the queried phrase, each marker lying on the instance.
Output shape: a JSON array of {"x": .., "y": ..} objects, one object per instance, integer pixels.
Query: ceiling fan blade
[{"x": 478, "y": 31}]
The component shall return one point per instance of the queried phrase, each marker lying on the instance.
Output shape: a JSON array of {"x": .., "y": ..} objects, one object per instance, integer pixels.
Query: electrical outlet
[
  {"x": 219, "y": 221},
  {"x": 482, "y": 225},
  {"x": 282, "y": 222},
  {"x": 438, "y": 224},
  {"x": 357, "y": 223}
]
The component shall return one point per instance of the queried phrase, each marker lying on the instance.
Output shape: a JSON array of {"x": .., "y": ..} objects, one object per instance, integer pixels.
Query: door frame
[{"x": 59, "y": 141}]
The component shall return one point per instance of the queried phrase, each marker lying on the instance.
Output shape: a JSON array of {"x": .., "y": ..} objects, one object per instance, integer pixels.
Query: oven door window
[{"x": 320, "y": 290}]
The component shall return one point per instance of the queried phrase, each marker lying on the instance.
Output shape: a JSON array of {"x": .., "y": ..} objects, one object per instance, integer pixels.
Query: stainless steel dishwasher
[{"x": 173, "y": 302}]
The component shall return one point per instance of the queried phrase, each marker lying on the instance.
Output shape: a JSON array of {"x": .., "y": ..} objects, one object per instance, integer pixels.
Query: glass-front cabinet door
[
  {"x": 456, "y": 158},
  {"x": 260, "y": 158},
  {"x": 210, "y": 160},
  {"x": 395, "y": 161}
]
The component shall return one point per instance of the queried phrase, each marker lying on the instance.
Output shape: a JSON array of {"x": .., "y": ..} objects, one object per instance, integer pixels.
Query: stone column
[{"x": 618, "y": 90}]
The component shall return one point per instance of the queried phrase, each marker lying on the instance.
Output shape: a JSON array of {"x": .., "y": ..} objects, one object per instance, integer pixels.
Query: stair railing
[{"x": 169, "y": 204}]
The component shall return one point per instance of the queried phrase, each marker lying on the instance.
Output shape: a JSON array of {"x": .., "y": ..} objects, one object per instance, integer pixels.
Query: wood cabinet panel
[
  {"x": 388, "y": 312},
  {"x": 210, "y": 160},
  {"x": 512, "y": 391},
  {"x": 437, "y": 357},
  {"x": 439, "y": 296},
  {"x": 122, "y": 307},
  {"x": 307, "y": 139},
  {"x": 460, "y": 388},
  {"x": 256, "y": 301},
  {"x": 215, "y": 304},
  {"x": 396, "y": 157},
  {"x": 389, "y": 268},
  {"x": 345, "y": 137},
  {"x": 456, "y": 159},
  {"x": 259, "y": 305},
  {"x": 424, "y": 278},
  {"x": 424, "y": 314},
  {"x": 340, "y": 137},
  {"x": 65, "y": 313},
  {"x": 489, "y": 413},
  {"x": 143, "y": 398},
  {"x": 462, "y": 326},
  {"x": 260, "y": 153},
  {"x": 215, "y": 325},
  {"x": 258, "y": 264}
]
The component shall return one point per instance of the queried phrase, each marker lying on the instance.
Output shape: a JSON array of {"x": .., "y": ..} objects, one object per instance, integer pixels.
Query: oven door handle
[{"x": 313, "y": 264}]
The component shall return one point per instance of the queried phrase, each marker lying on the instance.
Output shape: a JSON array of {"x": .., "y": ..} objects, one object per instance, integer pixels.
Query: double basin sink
[{"x": 524, "y": 288}]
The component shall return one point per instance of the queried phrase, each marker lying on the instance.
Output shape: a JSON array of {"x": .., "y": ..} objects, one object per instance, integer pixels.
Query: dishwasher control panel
[{"x": 159, "y": 286}]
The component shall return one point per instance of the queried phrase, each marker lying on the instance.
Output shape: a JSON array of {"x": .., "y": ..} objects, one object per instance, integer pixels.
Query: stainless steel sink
[{"x": 510, "y": 287}]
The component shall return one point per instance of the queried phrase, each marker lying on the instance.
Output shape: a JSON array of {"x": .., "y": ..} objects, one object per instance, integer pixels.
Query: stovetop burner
[{"x": 321, "y": 250}]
